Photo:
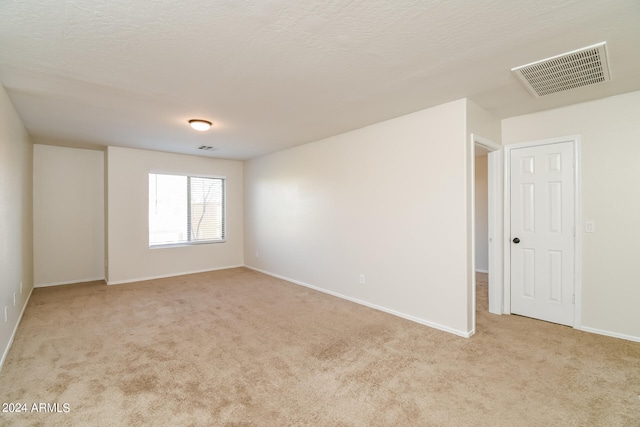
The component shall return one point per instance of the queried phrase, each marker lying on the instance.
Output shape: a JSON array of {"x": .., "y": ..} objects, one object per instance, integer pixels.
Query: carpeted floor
[{"x": 238, "y": 348}]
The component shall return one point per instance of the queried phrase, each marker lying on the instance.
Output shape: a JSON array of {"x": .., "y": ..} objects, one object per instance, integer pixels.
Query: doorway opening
[
  {"x": 487, "y": 233},
  {"x": 481, "y": 227}
]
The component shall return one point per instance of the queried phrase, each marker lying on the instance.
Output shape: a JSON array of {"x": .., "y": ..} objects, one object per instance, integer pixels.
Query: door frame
[
  {"x": 495, "y": 206},
  {"x": 577, "y": 177}
]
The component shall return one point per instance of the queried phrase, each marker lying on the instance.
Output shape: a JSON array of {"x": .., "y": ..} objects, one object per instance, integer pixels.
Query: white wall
[
  {"x": 388, "y": 201},
  {"x": 483, "y": 124},
  {"x": 16, "y": 220},
  {"x": 481, "y": 217},
  {"x": 129, "y": 255},
  {"x": 610, "y": 134},
  {"x": 68, "y": 219}
]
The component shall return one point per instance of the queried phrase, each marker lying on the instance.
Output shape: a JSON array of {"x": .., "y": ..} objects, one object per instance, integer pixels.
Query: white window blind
[{"x": 185, "y": 210}]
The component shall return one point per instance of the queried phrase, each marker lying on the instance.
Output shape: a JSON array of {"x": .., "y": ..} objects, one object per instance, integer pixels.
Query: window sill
[{"x": 181, "y": 245}]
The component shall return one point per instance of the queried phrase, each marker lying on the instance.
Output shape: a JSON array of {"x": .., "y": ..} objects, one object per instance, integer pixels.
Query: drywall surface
[
  {"x": 610, "y": 135},
  {"x": 387, "y": 201},
  {"x": 68, "y": 219},
  {"x": 482, "y": 123},
  {"x": 16, "y": 220},
  {"x": 481, "y": 214},
  {"x": 129, "y": 255}
]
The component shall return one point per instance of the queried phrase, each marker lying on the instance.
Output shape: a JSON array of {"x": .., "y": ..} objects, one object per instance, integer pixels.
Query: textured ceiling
[{"x": 273, "y": 74}]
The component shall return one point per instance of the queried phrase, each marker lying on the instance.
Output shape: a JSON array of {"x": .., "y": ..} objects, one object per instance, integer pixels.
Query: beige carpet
[{"x": 238, "y": 348}]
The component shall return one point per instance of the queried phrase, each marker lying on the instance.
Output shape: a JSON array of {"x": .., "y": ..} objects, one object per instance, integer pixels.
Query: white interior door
[{"x": 543, "y": 232}]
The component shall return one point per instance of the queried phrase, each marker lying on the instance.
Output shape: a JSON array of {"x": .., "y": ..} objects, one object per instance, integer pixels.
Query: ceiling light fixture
[{"x": 199, "y": 124}]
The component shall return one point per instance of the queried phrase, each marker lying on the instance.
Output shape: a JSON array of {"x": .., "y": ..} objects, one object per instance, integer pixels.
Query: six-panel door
[{"x": 542, "y": 232}]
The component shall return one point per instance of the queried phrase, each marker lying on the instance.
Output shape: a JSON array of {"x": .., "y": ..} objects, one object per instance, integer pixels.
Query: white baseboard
[
  {"x": 609, "y": 333},
  {"x": 482, "y": 271},
  {"x": 68, "y": 282},
  {"x": 164, "y": 276},
  {"x": 367, "y": 304},
  {"x": 13, "y": 334}
]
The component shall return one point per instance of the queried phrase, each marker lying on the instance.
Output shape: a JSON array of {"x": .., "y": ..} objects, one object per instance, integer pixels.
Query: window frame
[{"x": 189, "y": 242}]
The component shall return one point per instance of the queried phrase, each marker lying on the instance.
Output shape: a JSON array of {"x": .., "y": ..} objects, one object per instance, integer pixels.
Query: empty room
[{"x": 321, "y": 213}]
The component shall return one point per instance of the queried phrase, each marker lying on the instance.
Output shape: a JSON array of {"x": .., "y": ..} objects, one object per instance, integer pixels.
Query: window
[{"x": 185, "y": 210}]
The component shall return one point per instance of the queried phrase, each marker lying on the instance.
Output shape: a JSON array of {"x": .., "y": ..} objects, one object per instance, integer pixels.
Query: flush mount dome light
[{"x": 199, "y": 124}]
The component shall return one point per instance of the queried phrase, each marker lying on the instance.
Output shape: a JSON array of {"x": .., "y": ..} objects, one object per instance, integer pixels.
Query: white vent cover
[{"x": 582, "y": 67}]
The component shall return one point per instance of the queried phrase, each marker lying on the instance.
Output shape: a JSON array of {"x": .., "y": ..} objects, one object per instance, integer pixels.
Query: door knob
[{"x": 516, "y": 240}]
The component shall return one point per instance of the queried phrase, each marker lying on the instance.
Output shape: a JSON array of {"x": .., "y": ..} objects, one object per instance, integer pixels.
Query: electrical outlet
[
  {"x": 362, "y": 279},
  {"x": 590, "y": 227}
]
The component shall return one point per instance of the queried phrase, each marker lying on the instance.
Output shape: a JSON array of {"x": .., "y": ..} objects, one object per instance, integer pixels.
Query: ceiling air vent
[
  {"x": 207, "y": 148},
  {"x": 582, "y": 67}
]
